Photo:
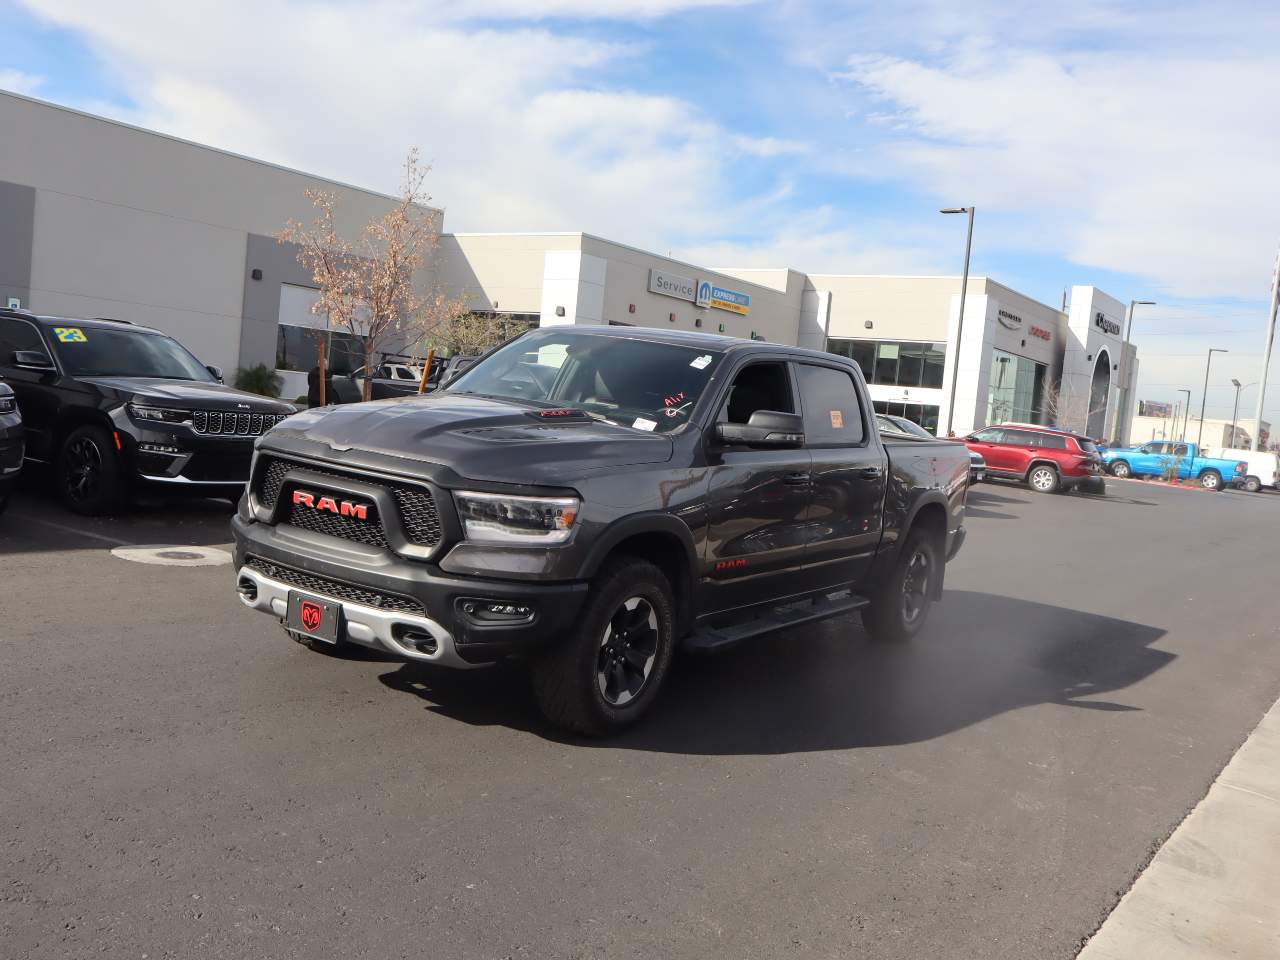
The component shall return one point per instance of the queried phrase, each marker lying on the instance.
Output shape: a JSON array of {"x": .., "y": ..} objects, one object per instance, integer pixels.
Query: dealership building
[{"x": 104, "y": 219}]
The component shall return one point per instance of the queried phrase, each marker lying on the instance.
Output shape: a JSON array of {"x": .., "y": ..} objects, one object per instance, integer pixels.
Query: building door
[{"x": 1099, "y": 391}]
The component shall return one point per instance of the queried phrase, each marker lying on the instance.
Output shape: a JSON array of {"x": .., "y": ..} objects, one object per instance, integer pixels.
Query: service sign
[
  {"x": 672, "y": 285},
  {"x": 712, "y": 296}
]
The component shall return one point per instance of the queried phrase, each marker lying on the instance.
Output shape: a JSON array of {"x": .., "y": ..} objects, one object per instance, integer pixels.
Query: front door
[
  {"x": 991, "y": 444},
  {"x": 849, "y": 477},
  {"x": 36, "y": 392},
  {"x": 757, "y": 501}
]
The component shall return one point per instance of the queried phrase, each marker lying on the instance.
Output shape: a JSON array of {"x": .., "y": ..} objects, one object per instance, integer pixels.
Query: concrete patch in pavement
[
  {"x": 1213, "y": 888},
  {"x": 174, "y": 556}
]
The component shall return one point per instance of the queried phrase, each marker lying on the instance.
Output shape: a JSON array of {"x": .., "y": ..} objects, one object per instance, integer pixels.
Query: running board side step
[{"x": 707, "y": 639}]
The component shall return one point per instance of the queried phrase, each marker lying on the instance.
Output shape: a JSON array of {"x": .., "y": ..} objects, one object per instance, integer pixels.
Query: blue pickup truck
[{"x": 1163, "y": 458}]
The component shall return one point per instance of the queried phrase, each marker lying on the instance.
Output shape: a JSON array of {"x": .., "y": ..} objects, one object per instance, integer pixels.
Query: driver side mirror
[
  {"x": 215, "y": 370},
  {"x": 33, "y": 360},
  {"x": 766, "y": 428}
]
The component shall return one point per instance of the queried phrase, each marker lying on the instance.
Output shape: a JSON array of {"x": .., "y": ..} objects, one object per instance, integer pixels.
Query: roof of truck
[{"x": 691, "y": 338}]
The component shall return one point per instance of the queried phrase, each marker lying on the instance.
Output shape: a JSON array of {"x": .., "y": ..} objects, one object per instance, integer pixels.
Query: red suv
[{"x": 1046, "y": 460}]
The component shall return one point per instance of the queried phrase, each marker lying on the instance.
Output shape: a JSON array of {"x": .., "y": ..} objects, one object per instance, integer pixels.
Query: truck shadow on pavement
[{"x": 830, "y": 687}]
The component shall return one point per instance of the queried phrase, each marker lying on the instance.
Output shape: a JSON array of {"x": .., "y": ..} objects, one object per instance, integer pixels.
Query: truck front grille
[
  {"x": 337, "y": 589},
  {"x": 229, "y": 423},
  {"x": 416, "y": 504}
]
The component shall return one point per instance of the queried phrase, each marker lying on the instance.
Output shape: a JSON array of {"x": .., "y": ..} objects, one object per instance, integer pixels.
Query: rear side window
[
  {"x": 1051, "y": 441},
  {"x": 1022, "y": 438},
  {"x": 1086, "y": 445},
  {"x": 832, "y": 414}
]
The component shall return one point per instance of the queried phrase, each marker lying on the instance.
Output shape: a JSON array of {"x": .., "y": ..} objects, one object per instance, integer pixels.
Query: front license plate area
[{"x": 314, "y": 617}]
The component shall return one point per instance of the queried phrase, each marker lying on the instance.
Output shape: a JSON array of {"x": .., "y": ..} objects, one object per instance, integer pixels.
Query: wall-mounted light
[
  {"x": 559, "y": 311},
  {"x": 1089, "y": 357},
  {"x": 255, "y": 273},
  {"x": 495, "y": 304},
  {"x": 1024, "y": 342},
  {"x": 722, "y": 328},
  {"x": 868, "y": 324},
  {"x": 697, "y": 321},
  {"x": 631, "y": 308},
  {"x": 672, "y": 317}
]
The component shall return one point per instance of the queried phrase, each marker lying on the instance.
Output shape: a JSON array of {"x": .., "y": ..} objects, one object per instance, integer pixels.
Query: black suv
[
  {"x": 589, "y": 499},
  {"x": 10, "y": 443},
  {"x": 113, "y": 407}
]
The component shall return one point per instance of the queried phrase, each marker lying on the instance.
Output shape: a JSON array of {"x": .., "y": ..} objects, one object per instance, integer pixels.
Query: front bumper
[{"x": 407, "y": 608}]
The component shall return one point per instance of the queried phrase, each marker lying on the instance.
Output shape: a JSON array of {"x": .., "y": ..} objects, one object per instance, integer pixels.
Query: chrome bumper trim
[{"x": 366, "y": 626}]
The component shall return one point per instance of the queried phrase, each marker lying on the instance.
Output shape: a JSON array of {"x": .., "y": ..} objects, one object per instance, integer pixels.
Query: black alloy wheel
[
  {"x": 900, "y": 603},
  {"x": 628, "y": 649},
  {"x": 89, "y": 471},
  {"x": 915, "y": 586}
]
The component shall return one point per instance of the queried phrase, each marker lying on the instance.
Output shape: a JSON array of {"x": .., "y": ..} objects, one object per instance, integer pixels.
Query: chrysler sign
[
  {"x": 1106, "y": 324},
  {"x": 673, "y": 285}
]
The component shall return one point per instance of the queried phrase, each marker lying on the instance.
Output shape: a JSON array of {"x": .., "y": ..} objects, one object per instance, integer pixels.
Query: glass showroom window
[
  {"x": 1016, "y": 389},
  {"x": 296, "y": 349},
  {"x": 895, "y": 363},
  {"x": 925, "y": 414}
]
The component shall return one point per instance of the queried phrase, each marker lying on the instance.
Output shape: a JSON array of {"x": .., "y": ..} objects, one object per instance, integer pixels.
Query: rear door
[
  {"x": 1023, "y": 446},
  {"x": 849, "y": 476}
]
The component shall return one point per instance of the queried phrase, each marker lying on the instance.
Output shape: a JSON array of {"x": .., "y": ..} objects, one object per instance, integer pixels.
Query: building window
[
  {"x": 895, "y": 363},
  {"x": 1016, "y": 389},
  {"x": 925, "y": 414},
  {"x": 296, "y": 349}
]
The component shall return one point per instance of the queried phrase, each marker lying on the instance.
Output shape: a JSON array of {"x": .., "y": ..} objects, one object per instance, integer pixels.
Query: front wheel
[
  {"x": 1211, "y": 480},
  {"x": 89, "y": 474},
  {"x": 607, "y": 673},
  {"x": 1043, "y": 479},
  {"x": 1121, "y": 470},
  {"x": 900, "y": 608}
]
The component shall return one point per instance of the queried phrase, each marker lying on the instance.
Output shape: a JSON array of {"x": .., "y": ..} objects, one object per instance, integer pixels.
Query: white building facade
[{"x": 104, "y": 219}]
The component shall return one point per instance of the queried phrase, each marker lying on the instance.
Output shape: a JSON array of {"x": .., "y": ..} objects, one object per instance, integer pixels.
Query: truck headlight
[
  {"x": 143, "y": 411},
  {"x": 7, "y": 405},
  {"x": 501, "y": 518}
]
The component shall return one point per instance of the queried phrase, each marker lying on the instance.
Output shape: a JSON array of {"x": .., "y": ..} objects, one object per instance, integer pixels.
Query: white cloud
[
  {"x": 1160, "y": 164},
  {"x": 19, "y": 82},
  {"x": 580, "y": 9}
]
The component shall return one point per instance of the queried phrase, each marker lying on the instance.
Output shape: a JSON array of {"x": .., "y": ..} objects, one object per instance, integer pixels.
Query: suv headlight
[
  {"x": 143, "y": 411},
  {"x": 7, "y": 405},
  {"x": 501, "y": 518}
]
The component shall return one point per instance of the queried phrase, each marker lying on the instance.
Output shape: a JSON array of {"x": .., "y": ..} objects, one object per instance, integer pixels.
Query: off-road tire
[
  {"x": 886, "y": 617},
  {"x": 567, "y": 678}
]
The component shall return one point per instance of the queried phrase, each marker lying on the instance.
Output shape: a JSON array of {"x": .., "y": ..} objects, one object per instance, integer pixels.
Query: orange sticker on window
[{"x": 837, "y": 420}]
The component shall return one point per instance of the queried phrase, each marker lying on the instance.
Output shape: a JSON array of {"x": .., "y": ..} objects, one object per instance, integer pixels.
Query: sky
[{"x": 1133, "y": 146}]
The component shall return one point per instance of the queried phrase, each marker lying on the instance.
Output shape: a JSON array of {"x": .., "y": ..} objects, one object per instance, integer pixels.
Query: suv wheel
[
  {"x": 89, "y": 476},
  {"x": 1211, "y": 480},
  {"x": 899, "y": 609},
  {"x": 607, "y": 673},
  {"x": 1043, "y": 479},
  {"x": 1121, "y": 469}
]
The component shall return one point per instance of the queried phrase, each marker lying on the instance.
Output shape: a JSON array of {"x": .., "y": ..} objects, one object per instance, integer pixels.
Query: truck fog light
[{"x": 495, "y": 611}]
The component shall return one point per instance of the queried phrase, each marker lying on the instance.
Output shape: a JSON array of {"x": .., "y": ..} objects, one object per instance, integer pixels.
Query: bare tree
[
  {"x": 470, "y": 334},
  {"x": 378, "y": 288},
  {"x": 1065, "y": 407}
]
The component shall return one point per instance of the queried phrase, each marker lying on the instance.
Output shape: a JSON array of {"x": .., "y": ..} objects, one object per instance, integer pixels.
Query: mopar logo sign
[
  {"x": 709, "y": 295},
  {"x": 1106, "y": 324},
  {"x": 704, "y": 294},
  {"x": 672, "y": 285}
]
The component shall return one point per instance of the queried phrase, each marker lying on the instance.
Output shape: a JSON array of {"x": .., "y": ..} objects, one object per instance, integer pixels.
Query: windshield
[
  {"x": 902, "y": 425},
  {"x": 624, "y": 380},
  {"x": 97, "y": 352}
]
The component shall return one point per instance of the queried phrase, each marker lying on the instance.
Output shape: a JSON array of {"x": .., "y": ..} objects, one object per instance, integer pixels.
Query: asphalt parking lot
[{"x": 182, "y": 780}]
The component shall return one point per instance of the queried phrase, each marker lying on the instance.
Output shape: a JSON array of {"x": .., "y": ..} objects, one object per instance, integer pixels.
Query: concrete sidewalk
[{"x": 1213, "y": 890}]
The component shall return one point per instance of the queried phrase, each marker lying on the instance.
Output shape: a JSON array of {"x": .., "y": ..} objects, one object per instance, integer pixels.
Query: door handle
[
  {"x": 870, "y": 473},
  {"x": 796, "y": 479}
]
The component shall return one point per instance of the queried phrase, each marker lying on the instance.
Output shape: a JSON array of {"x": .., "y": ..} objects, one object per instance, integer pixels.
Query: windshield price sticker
[
  {"x": 837, "y": 420},
  {"x": 643, "y": 424},
  {"x": 702, "y": 362},
  {"x": 70, "y": 335}
]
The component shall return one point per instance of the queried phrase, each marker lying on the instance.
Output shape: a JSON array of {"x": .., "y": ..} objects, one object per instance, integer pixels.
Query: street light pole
[
  {"x": 1186, "y": 415},
  {"x": 1235, "y": 413},
  {"x": 1266, "y": 355},
  {"x": 964, "y": 288},
  {"x": 1121, "y": 431},
  {"x": 1205, "y": 396}
]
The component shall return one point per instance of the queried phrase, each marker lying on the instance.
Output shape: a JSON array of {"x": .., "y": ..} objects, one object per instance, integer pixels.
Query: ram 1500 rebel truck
[
  {"x": 1182, "y": 461},
  {"x": 589, "y": 500}
]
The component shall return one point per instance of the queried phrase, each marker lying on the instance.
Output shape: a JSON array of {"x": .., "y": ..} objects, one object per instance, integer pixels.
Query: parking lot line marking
[{"x": 81, "y": 533}]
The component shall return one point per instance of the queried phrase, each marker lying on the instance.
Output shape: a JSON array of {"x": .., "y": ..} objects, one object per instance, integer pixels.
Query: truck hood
[
  {"x": 187, "y": 394},
  {"x": 501, "y": 441}
]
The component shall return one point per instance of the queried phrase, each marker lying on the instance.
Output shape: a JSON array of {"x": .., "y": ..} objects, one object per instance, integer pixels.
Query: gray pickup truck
[{"x": 590, "y": 499}]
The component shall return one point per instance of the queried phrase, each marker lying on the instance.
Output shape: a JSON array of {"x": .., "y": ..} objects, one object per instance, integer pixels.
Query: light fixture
[
  {"x": 631, "y": 308},
  {"x": 559, "y": 311},
  {"x": 672, "y": 317},
  {"x": 256, "y": 273},
  {"x": 868, "y": 324}
]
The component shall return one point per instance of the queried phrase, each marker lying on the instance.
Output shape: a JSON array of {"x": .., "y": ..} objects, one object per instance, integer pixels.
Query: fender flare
[{"x": 635, "y": 525}]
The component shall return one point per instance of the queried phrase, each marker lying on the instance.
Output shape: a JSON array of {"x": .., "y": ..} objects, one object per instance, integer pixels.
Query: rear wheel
[
  {"x": 608, "y": 672},
  {"x": 1252, "y": 484},
  {"x": 1044, "y": 479},
  {"x": 89, "y": 472},
  {"x": 1211, "y": 480},
  {"x": 1121, "y": 469},
  {"x": 901, "y": 606}
]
